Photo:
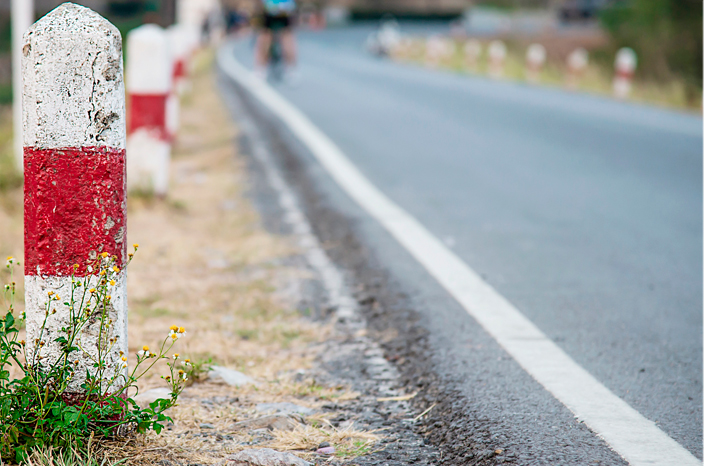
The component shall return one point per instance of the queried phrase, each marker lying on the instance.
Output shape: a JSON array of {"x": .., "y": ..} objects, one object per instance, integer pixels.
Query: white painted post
[
  {"x": 190, "y": 15},
  {"x": 149, "y": 78},
  {"x": 497, "y": 59},
  {"x": 434, "y": 47},
  {"x": 625, "y": 64},
  {"x": 74, "y": 164},
  {"x": 22, "y": 18},
  {"x": 472, "y": 53},
  {"x": 577, "y": 62},
  {"x": 180, "y": 47},
  {"x": 535, "y": 59}
]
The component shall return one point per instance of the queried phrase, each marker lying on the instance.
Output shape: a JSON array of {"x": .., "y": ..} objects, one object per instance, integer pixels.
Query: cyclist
[{"x": 277, "y": 18}]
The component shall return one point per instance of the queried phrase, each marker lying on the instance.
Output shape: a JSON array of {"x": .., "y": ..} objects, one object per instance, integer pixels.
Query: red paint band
[
  {"x": 179, "y": 68},
  {"x": 74, "y": 208},
  {"x": 625, "y": 74},
  {"x": 147, "y": 111}
]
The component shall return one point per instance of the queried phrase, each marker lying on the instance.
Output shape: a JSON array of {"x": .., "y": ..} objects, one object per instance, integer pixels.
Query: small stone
[
  {"x": 326, "y": 451},
  {"x": 150, "y": 396},
  {"x": 284, "y": 408},
  {"x": 264, "y": 457},
  {"x": 206, "y": 425},
  {"x": 270, "y": 422},
  {"x": 324, "y": 445},
  {"x": 227, "y": 376}
]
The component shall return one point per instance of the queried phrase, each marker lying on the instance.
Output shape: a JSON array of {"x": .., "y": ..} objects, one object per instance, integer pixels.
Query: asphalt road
[{"x": 584, "y": 213}]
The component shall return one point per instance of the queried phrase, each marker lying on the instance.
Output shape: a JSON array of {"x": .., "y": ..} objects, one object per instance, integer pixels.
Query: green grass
[
  {"x": 357, "y": 449},
  {"x": 596, "y": 79},
  {"x": 10, "y": 177}
]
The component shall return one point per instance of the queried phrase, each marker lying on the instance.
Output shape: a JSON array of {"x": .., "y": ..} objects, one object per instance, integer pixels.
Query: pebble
[
  {"x": 150, "y": 396},
  {"x": 264, "y": 457},
  {"x": 206, "y": 425},
  {"x": 270, "y": 422},
  {"x": 326, "y": 451},
  {"x": 227, "y": 376},
  {"x": 284, "y": 408}
]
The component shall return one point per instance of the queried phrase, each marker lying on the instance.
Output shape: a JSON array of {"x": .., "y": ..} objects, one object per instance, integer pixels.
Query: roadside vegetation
[
  {"x": 206, "y": 264},
  {"x": 665, "y": 34},
  {"x": 596, "y": 78}
]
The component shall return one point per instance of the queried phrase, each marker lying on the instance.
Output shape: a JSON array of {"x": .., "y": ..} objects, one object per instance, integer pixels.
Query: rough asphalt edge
[
  {"x": 462, "y": 434},
  {"x": 350, "y": 357}
]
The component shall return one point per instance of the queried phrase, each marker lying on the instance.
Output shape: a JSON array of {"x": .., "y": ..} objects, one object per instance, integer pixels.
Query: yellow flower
[
  {"x": 115, "y": 269},
  {"x": 174, "y": 336},
  {"x": 112, "y": 282},
  {"x": 173, "y": 328},
  {"x": 9, "y": 258},
  {"x": 75, "y": 266},
  {"x": 181, "y": 330},
  {"x": 102, "y": 272},
  {"x": 124, "y": 358},
  {"x": 108, "y": 297},
  {"x": 176, "y": 356},
  {"x": 104, "y": 254},
  {"x": 145, "y": 348},
  {"x": 136, "y": 245},
  {"x": 92, "y": 290},
  {"x": 50, "y": 293}
]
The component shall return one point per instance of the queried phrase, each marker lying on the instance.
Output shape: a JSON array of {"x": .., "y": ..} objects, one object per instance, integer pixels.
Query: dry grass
[
  {"x": 596, "y": 78},
  {"x": 206, "y": 263}
]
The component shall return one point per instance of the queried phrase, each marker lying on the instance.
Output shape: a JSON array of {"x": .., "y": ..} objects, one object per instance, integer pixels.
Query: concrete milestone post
[
  {"x": 626, "y": 61},
  {"x": 149, "y": 78},
  {"x": 497, "y": 58},
  {"x": 577, "y": 62},
  {"x": 74, "y": 182},
  {"x": 472, "y": 53},
  {"x": 535, "y": 59},
  {"x": 22, "y": 18},
  {"x": 180, "y": 49}
]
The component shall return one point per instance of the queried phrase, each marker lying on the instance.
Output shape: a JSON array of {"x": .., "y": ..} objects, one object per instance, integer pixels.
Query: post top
[
  {"x": 71, "y": 17},
  {"x": 148, "y": 30},
  {"x": 73, "y": 91}
]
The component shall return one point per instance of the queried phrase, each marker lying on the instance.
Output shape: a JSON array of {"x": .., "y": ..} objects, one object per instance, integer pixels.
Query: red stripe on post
[
  {"x": 179, "y": 68},
  {"x": 74, "y": 204},
  {"x": 147, "y": 111}
]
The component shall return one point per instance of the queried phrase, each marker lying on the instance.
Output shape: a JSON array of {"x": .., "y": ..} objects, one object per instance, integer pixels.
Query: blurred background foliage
[{"x": 666, "y": 35}]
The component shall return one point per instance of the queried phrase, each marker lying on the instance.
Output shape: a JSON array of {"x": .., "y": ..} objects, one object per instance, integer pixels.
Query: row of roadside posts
[
  {"x": 81, "y": 152},
  {"x": 438, "y": 49}
]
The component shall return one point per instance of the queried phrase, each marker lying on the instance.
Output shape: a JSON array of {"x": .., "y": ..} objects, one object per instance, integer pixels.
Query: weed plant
[{"x": 41, "y": 409}]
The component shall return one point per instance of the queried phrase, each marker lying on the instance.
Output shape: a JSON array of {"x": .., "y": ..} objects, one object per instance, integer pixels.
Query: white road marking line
[{"x": 637, "y": 439}]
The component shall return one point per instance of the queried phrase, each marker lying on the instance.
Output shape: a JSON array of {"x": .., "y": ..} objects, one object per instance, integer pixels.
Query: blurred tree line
[{"x": 666, "y": 35}]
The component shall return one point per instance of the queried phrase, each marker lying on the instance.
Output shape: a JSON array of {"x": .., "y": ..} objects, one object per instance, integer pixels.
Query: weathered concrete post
[
  {"x": 625, "y": 64},
  {"x": 180, "y": 48},
  {"x": 472, "y": 53},
  {"x": 497, "y": 58},
  {"x": 22, "y": 18},
  {"x": 74, "y": 162},
  {"x": 535, "y": 59},
  {"x": 577, "y": 62},
  {"x": 190, "y": 15},
  {"x": 149, "y": 78}
]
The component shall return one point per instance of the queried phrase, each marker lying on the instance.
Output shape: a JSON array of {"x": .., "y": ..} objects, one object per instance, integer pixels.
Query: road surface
[{"x": 584, "y": 213}]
